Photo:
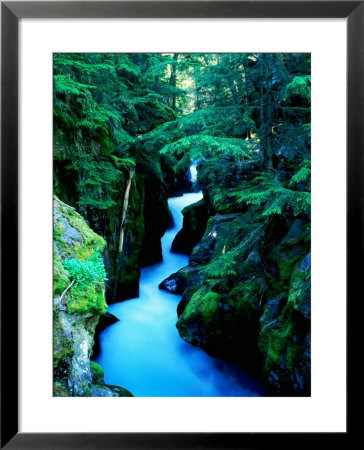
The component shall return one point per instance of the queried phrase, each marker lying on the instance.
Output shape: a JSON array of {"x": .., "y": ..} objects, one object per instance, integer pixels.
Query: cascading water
[
  {"x": 193, "y": 173},
  {"x": 144, "y": 353}
]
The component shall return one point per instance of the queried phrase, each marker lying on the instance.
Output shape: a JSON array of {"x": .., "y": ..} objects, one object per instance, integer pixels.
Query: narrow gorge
[{"x": 182, "y": 225}]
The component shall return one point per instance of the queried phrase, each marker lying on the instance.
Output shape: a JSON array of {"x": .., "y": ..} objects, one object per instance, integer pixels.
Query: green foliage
[
  {"x": 300, "y": 85},
  {"x": 223, "y": 266},
  {"x": 64, "y": 84},
  {"x": 245, "y": 105},
  {"x": 89, "y": 271},
  {"x": 87, "y": 293},
  {"x": 112, "y": 109},
  {"x": 60, "y": 276},
  {"x": 103, "y": 104},
  {"x": 198, "y": 147},
  {"x": 272, "y": 197},
  {"x": 303, "y": 174}
]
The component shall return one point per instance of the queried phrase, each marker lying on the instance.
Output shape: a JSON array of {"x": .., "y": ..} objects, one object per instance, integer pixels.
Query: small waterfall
[{"x": 193, "y": 173}]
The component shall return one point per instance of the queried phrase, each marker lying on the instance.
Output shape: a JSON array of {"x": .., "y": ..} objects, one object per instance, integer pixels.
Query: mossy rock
[
  {"x": 300, "y": 287},
  {"x": 79, "y": 301},
  {"x": 62, "y": 350},
  {"x": 84, "y": 299},
  {"x": 285, "y": 346},
  {"x": 97, "y": 373},
  {"x": 290, "y": 250},
  {"x": 260, "y": 316},
  {"x": 204, "y": 304},
  {"x": 200, "y": 317},
  {"x": 218, "y": 238},
  {"x": 246, "y": 298},
  {"x": 284, "y": 340},
  {"x": 60, "y": 275},
  {"x": 71, "y": 232},
  {"x": 273, "y": 308}
]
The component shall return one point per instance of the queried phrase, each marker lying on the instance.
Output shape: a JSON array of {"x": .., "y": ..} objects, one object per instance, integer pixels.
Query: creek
[{"x": 144, "y": 353}]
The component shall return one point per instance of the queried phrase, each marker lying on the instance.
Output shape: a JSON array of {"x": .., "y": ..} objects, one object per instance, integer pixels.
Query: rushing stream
[{"x": 144, "y": 353}]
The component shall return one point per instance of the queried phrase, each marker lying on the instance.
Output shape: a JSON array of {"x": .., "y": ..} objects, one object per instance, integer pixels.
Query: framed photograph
[{"x": 170, "y": 172}]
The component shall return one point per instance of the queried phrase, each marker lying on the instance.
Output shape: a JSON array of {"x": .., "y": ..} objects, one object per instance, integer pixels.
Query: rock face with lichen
[
  {"x": 79, "y": 301},
  {"x": 246, "y": 294}
]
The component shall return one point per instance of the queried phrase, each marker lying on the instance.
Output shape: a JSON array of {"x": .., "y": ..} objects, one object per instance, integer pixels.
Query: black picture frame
[{"x": 11, "y": 12}]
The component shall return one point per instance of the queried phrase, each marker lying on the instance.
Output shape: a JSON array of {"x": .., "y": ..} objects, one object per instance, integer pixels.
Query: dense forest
[{"x": 127, "y": 129}]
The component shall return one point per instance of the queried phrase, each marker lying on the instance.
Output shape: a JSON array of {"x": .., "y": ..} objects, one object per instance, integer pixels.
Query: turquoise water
[{"x": 144, "y": 353}]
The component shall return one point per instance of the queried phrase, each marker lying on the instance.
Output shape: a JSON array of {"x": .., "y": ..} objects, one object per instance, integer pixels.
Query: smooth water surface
[{"x": 144, "y": 352}]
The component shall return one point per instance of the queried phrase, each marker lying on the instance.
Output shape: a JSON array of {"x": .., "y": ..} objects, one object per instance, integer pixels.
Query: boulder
[
  {"x": 77, "y": 307},
  {"x": 194, "y": 225},
  {"x": 285, "y": 337},
  {"x": 174, "y": 284}
]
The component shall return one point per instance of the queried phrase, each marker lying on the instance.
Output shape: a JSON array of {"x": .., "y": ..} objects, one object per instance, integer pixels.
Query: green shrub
[{"x": 85, "y": 272}]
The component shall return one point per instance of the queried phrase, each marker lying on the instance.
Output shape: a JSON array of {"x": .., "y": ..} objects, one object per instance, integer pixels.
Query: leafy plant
[
  {"x": 273, "y": 197},
  {"x": 223, "y": 266},
  {"x": 85, "y": 272}
]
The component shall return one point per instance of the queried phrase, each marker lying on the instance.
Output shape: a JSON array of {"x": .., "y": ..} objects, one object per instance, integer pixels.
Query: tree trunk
[
  {"x": 122, "y": 231},
  {"x": 173, "y": 79}
]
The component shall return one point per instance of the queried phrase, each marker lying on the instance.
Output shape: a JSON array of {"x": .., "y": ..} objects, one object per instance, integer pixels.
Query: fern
[
  {"x": 64, "y": 84},
  {"x": 304, "y": 174},
  {"x": 272, "y": 197},
  {"x": 223, "y": 266}
]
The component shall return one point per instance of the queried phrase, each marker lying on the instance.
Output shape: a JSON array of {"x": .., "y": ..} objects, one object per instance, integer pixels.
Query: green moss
[
  {"x": 291, "y": 249},
  {"x": 62, "y": 346},
  {"x": 57, "y": 237},
  {"x": 60, "y": 275},
  {"x": 57, "y": 231},
  {"x": 279, "y": 341},
  {"x": 246, "y": 297},
  {"x": 182, "y": 273},
  {"x": 97, "y": 373},
  {"x": 299, "y": 291},
  {"x": 91, "y": 240},
  {"x": 280, "y": 346},
  {"x": 83, "y": 252},
  {"x": 287, "y": 261},
  {"x": 61, "y": 355},
  {"x": 86, "y": 388},
  {"x": 203, "y": 305},
  {"x": 83, "y": 299}
]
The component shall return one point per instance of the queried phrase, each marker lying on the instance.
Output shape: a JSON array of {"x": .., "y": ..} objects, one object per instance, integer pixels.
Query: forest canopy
[{"x": 113, "y": 112}]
